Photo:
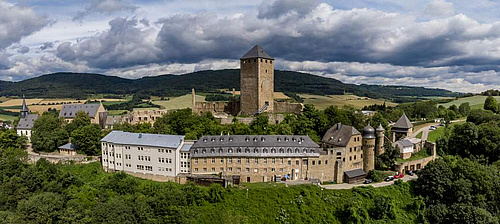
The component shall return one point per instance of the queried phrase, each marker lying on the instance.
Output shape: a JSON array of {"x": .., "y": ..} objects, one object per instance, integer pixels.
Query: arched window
[
  {"x": 230, "y": 150},
  {"x": 221, "y": 151},
  {"x": 289, "y": 150},
  {"x": 305, "y": 150},
  {"x": 266, "y": 151},
  {"x": 282, "y": 150},
  {"x": 238, "y": 150},
  {"x": 273, "y": 150},
  {"x": 296, "y": 150},
  {"x": 203, "y": 151},
  {"x": 196, "y": 151},
  {"x": 256, "y": 151},
  {"x": 212, "y": 150},
  {"x": 247, "y": 150}
]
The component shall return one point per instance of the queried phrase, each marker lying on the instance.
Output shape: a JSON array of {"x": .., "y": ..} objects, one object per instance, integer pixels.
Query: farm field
[
  {"x": 475, "y": 102},
  {"x": 434, "y": 135},
  {"x": 322, "y": 102},
  {"x": 4, "y": 117},
  {"x": 117, "y": 112},
  {"x": 35, "y": 105},
  {"x": 178, "y": 102}
]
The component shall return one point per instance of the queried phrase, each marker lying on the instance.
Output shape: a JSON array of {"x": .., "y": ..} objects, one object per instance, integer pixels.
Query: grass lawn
[
  {"x": 419, "y": 135},
  {"x": 434, "y": 135},
  {"x": 415, "y": 156},
  {"x": 117, "y": 112},
  {"x": 322, "y": 102},
  {"x": 5, "y": 117},
  {"x": 475, "y": 102}
]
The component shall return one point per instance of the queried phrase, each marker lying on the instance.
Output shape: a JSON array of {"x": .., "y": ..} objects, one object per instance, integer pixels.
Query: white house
[{"x": 26, "y": 121}]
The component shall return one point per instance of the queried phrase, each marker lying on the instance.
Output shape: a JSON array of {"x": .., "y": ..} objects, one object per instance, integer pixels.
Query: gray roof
[
  {"x": 355, "y": 173},
  {"x": 142, "y": 139},
  {"x": 404, "y": 143},
  {"x": 339, "y": 135},
  {"x": 256, "y": 52},
  {"x": 255, "y": 146},
  {"x": 368, "y": 132},
  {"x": 70, "y": 110},
  {"x": 69, "y": 146},
  {"x": 24, "y": 106},
  {"x": 27, "y": 122},
  {"x": 186, "y": 147},
  {"x": 403, "y": 123}
]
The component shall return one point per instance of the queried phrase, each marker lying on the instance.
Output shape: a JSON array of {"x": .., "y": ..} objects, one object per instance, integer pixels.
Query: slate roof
[
  {"x": 339, "y": 135},
  {"x": 69, "y": 146},
  {"x": 355, "y": 173},
  {"x": 24, "y": 106},
  {"x": 403, "y": 123},
  {"x": 255, "y": 146},
  {"x": 256, "y": 52},
  {"x": 380, "y": 128},
  {"x": 27, "y": 122},
  {"x": 403, "y": 142},
  {"x": 70, "y": 110},
  {"x": 142, "y": 139}
]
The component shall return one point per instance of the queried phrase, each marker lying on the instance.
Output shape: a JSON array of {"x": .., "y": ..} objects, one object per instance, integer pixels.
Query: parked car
[
  {"x": 411, "y": 173},
  {"x": 389, "y": 178},
  {"x": 367, "y": 181},
  {"x": 399, "y": 175},
  {"x": 432, "y": 128}
]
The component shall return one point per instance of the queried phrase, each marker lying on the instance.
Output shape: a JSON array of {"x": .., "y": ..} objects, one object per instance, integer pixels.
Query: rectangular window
[
  {"x": 248, "y": 160},
  {"x": 221, "y": 169},
  {"x": 281, "y": 160},
  {"x": 297, "y": 162},
  {"x": 204, "y": 169},
  {"x": 205, "y": 160},
  {"x": 230, "y": 169},
  {"x": 213, "y": 169},
  {"x": 196, "y": 169},
  {"x": 265, "y": 170},
  {"x": 238, "y": 169},
  {"x": 195, "y": 160},
  {"x": 256, "y": 160},
  {"x": 255, "y": 170},
  {"x": 289, "y": 162},
  {"x": 213, "y": 160},
  {"x": 239, "y": 159},
  {"x": 319, "y": 162},
  {"x": 230, "y": 160},
  {"x": 247, "y": 169},
  {"x": 265, "y": 160},
  {"x": 281, "y": 169},
  {"x": 221, "y": 160},
  {"x": 273, "y": 160},
  {"x": 273, "y": 170}
]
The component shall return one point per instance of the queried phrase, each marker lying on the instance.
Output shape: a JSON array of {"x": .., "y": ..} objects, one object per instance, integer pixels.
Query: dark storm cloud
[
  {"x": 123, "y": 45},
  {"x": 18, "y": 22}
]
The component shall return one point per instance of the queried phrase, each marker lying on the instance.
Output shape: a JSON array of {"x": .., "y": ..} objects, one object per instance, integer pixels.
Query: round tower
[
  {"x": 379, "y": 149},
  {"x": 368, "y": 148}
]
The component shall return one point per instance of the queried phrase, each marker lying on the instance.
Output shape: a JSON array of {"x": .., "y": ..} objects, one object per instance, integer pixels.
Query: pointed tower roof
[
  {"x": 256, "y": 52},
  {"x": 25, "y": 107},
  {"x": 403, "y": 122},
  {"x": 380, "y": 128}
]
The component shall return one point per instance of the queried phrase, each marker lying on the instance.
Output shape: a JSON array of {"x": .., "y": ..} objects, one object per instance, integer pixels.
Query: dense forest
[{"x": 79, "y": 85}]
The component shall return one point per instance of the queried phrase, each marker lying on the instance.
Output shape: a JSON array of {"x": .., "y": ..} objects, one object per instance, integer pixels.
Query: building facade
[
  {"x": 402, "y": 128},
  {"x": 96, "y": 112},
  {"x": 254, "y": 158},
  {"x": 153, "y": 154}
]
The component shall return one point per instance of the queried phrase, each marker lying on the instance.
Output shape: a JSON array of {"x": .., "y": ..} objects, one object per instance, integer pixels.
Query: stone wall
[
  {"x": 287, "y": 107},
  {"x": 256, "y": 84},
  {"x": 33, "y": 158}
]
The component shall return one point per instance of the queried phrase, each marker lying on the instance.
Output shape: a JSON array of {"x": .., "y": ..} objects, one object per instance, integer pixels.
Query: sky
[{"x": 453, "y": 45}]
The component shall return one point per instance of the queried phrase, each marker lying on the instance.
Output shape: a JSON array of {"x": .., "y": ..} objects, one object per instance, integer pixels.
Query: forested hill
[{"x": 78, "y": 85}]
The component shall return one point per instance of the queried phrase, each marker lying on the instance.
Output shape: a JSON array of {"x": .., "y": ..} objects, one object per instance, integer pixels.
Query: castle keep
[{"x": 257, "y": 88}]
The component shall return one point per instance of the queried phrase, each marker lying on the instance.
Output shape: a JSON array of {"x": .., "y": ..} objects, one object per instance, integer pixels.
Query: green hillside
[
  {"x": 79, "y": 85},
  {"x": 476, "y": 102}
]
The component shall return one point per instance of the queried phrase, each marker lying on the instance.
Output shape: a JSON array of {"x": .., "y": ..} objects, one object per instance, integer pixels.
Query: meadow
[
  {"x": 42, "y": 105},
  {"x": 322, "y": 102},
  {"x": 178, "y": 102},
  {"x": 475, "y": 102}
]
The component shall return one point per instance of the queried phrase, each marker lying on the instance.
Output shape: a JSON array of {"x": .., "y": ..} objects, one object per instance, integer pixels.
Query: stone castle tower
[
  {"x": 368, "y": 148},
  {"x": 257, "y": 82},
  {"x": 379, "y": 150}
]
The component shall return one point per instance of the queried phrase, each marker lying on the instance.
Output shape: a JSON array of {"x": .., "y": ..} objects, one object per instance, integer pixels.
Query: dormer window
[
  {"x": 204, "y": 140},
  {"x": 230, "y": 150},
  {"x": 247, "y": 139},
  {"x": 262, "y": 139},
  {"x": 221, "y": 139},
  {"x": 213, "y": 139},
  {"x": 254, "y": 139},
  {"x": 231, "y": 139},
  {"x": 279, "y": 139}
]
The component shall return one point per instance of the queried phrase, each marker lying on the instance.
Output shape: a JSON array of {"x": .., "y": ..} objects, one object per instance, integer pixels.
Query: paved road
[
  {"x": 381, "y": 184},
  {"x": 425, "y": 130}
]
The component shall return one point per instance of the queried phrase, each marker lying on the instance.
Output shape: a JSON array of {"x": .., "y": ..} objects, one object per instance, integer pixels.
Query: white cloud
[{"x": 106, "y": 7}]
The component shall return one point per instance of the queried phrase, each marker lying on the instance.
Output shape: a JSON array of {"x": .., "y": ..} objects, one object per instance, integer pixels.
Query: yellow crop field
[
  {"x": 322, "y": 102},
  {"x": 19, "y": 102}
]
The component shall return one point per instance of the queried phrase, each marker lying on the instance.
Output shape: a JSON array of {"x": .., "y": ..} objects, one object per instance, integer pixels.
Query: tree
[
  {"x": 463, "y": 140},
  {"x": 81, "y": 119},
  {"x": 87, "y": 139},
  {"x": 491, "y": 104},
  {"x": 45, "y": 207},
  {"x": 464, "y": 109},
  {"x": 48, "y": 133}
]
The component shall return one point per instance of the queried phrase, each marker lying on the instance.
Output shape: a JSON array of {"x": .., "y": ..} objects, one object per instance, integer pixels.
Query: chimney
[{"x": 140, "y": 135}]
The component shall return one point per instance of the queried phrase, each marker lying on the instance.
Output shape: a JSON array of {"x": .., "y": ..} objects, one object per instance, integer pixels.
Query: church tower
[
  {"x": 256, "y": 82},
  {"x": 24, "y": 109},
  {"x": 368, "y": 148}
]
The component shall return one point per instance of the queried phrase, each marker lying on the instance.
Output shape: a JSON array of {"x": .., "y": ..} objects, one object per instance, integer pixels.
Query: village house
[{"x": 96, "y": 112}]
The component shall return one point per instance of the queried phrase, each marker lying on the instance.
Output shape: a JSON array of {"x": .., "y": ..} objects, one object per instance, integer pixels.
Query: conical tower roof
[
  {"x": 380, "y": 128},
  {"x": 403, "y": 122},
  {"x": 25, "y": 107},
  {"x": 256, "y": 52}
]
